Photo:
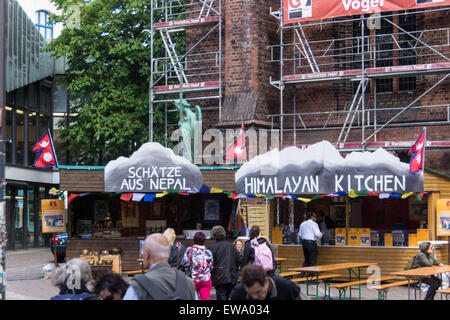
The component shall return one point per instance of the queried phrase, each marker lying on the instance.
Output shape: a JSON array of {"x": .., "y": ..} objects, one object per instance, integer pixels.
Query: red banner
[{"x": 305, "y": 10}]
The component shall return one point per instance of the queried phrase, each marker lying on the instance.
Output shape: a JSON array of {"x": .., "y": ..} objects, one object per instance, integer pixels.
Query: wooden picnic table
[
  {"x": 317, "y": 270},
  {"x": 419, "y": 273},
  {"x": 279, "y": 260}
]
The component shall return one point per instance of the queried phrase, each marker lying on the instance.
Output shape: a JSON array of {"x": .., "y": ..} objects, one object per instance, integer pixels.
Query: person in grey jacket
[
  {"x": 156, "y": 253},
  {"x": 425, "y": 258}
]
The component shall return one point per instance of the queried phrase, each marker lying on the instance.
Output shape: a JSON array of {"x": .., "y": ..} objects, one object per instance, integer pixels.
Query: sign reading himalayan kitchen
[
  {"x": 304, "y": 10},
  {"x": 152, "y": 168},
  {"x": 320, "y": 169}
]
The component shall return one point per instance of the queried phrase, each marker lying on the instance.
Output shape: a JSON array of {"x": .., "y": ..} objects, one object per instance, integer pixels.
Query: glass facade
[
  {"x": 27, "y": 117},
  {"x": 23, "y": 206},
  {"x": 26, "y": 121}
]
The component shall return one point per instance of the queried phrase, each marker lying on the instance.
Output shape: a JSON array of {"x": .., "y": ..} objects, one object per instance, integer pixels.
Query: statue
[{"x": 188, "y": 121}]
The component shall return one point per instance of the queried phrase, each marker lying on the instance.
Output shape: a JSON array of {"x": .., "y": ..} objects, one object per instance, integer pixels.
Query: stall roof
[{"x": 91, "y": 178}]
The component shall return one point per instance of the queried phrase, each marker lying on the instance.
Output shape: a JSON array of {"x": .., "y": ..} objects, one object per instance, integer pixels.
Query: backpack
[
  {"x": 156, "y": 293},
  {"x": 263, "y": 255},
  {"x": 74, "y": 296}
]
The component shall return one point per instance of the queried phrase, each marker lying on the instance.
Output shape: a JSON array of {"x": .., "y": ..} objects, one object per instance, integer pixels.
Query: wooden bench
[
  {"x": 445, "y": 292},
  {"x": 289, "y": 274},
  {"x": 311, "y": 280},
  {"x": 342, "y": 287},
  {"x": 383, "y": 288}
]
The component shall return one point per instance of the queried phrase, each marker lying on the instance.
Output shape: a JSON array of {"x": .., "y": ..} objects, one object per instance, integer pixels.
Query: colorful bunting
[
  {"x": 138, "y": 197},
  {"x": 126, "y": 196},
  {"x": 149, "y": 197},
  {"x": 71, "y": 197},
  {"x": 406, "y": 195}
]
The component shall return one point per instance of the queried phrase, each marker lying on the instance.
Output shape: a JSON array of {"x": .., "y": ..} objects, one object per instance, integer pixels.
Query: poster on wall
[
  {"x": 320, "y": 169},
  {"x": 53, "y": 216},
  {"x": 211, "y": 210},
  {"x": 130, "y": 215},
  {"x": 443, "y": 217},
  {"x": 305, "y": 10}
]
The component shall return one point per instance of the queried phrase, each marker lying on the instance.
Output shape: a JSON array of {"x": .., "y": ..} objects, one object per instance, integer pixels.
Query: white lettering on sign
[
  {"x": 156, "y": 178},
  {"x": 364, "y": 5},
  {"x": 311, "y": 184}
]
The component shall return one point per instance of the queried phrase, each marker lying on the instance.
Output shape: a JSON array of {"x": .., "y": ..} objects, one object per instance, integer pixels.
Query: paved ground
[{"x": 25, "y": 279}]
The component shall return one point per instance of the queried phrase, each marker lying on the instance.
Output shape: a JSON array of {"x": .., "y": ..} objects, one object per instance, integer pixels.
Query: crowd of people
[{"x": 238, "y": 271}]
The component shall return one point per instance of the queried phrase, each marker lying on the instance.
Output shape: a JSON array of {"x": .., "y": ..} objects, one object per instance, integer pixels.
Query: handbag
[{"x": 187, "y": 269}]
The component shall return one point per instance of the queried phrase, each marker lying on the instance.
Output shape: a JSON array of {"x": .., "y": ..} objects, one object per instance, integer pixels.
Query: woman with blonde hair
[
  {"x": 239, "y": 245},
  {"x": 177, "y": 249}
]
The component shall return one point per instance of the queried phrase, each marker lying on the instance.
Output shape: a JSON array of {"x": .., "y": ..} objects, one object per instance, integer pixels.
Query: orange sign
[
  {"x": 443, "y": 217},
  {"x": 53, "y": 216},
  {"x": 305, "y": 10}
]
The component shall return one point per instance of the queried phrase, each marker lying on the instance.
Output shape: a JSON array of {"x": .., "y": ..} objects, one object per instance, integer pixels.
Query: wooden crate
[
  {"x": 89, "y": 257},
  {"x": 117, "y": 263}
]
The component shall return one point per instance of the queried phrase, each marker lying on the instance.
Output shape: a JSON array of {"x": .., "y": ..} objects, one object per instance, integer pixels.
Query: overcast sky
[{"x": 31, "y": 6}]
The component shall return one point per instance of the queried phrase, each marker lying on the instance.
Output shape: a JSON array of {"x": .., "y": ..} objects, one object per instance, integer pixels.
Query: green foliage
[{"x": 108, "y": 75}]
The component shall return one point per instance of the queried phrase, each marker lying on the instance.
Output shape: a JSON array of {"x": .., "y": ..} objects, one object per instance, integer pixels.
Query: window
[
  {"x": 44, "y": 99},
  {"x": 383, "y": 56},
  {"x": 44, "y": 25},
  {"x": 32, "y": 138},
  {"x": 8, "y": 134},
  {"x": 20, "y": 137},
  {"x": 408, "y": 53}
]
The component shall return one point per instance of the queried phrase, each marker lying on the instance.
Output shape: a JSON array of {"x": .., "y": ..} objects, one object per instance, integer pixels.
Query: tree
[{"x": 107, "y": 74}]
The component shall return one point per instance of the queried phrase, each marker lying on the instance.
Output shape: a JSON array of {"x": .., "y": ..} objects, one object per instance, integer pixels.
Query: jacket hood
[{"x": 423, "y": 247}]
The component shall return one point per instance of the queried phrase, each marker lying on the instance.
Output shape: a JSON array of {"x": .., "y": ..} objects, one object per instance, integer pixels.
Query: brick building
[{"x": 305, "y": 98}]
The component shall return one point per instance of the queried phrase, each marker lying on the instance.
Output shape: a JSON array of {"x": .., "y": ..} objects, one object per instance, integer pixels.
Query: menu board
[
  {"x": 353, "y": 236},
  {"x": 412, "y": 240},
  {"x": 443, "y": 217},
  {"x": 388, "y": 240},
  {"x": 340, "y": 236},
  {"x": 423, "y": 235},
  {"x": 364, "y": 237},
  {"x": 53, "y": 216}
]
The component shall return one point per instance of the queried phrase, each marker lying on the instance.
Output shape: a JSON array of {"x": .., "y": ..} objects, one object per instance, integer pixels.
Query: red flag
[
  {"x": 237, "y": 151},
  {"x": 47, "y": 155},
  {"x": 71, "y": 197},
  {"x": 417, "y": 153}
]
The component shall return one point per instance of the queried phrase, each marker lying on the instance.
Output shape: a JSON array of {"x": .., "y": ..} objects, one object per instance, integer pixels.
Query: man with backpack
[
  {"x": 161, "y": 282},
  {"x": 258, "y": 251}
]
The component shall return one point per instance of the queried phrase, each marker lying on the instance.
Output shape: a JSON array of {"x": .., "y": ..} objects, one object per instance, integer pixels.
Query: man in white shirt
[{"x": 309, "y": 233}]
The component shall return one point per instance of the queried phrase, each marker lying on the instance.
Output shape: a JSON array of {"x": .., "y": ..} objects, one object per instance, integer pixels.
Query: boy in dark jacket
[
  {"x": 249, "y": 252},
  {"x": 257, "y": 285},
  {"x": 226, "y": 263},
  {"x": 425, "y": 258}
]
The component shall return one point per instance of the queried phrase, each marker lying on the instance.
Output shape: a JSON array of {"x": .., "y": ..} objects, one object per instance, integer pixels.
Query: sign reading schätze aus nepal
[
  {"x": 320, "y": 169},
  {"x": 304, "y": 10},
  {"x": 152, "y": 168}
]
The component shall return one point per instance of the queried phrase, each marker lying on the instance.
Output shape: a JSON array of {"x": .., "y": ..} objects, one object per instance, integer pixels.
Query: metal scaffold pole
[
  {"x": 150, "y": 93},
  {"x": 3, "y": 234}
]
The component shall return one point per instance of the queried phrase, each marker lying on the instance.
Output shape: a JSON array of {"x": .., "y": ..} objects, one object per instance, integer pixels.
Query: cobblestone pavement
[{"x": 26, "y": 280}]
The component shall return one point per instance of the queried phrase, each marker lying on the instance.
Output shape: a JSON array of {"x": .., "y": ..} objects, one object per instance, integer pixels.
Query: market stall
[
  {"x": 116, "y": 207},
  {"x": 374, "y": 208}
]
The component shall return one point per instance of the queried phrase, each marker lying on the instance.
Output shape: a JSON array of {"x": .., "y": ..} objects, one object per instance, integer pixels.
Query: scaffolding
[
  {"x": 195, "y": 73},
  {"x": 362, "y": 57}
]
